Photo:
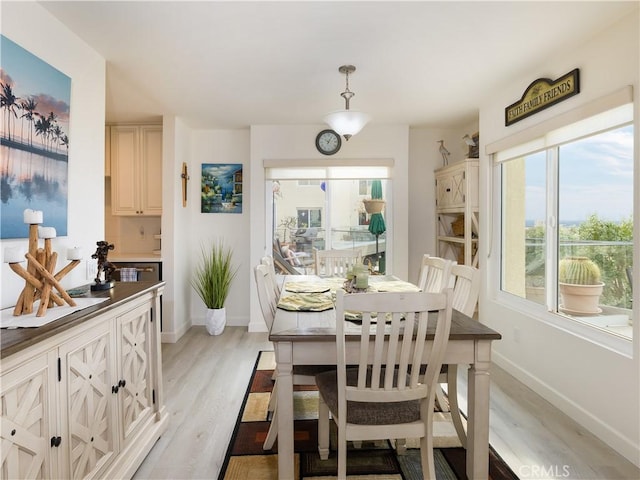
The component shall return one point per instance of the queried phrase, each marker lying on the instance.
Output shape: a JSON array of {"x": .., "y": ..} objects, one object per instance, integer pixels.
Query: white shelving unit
[{"x": 457, "y": 197}]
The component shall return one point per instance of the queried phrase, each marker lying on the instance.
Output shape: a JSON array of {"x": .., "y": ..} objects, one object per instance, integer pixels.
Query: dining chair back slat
[
  {"x": 273, "y": 281},
  {"x": 266, "y": 298},
  {"x": 334, "y": 263},
  {"x": 466, "y": 289},
  {"x": 435, "y": 274}
]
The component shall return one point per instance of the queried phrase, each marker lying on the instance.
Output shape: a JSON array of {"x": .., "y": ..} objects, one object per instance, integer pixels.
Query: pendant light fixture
[{"x": 347, "y": 122}]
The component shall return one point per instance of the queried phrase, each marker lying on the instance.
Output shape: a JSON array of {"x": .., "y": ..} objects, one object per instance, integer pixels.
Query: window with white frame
[
  {"x": 566, "y": 226},
  {"x": 330, "y": 215},
  {"x": 309, "y": 217}
]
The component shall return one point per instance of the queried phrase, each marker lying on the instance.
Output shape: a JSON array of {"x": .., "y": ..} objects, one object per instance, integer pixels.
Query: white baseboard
[
  {"x": 257, "y": 326},
  {"x": 620, "y": 443},
  {"x": 173, "y": 337}
]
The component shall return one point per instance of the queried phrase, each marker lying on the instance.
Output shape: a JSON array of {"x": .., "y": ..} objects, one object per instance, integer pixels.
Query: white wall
[
  {"x": 176, "y": 254},
  {"x": 220, "y": 146},
  {"x": 33, "y": 28},
  {"x": 298, "y": 142},
  {"x": 424, "y": 158},
  {"x": 594, "y": 385}
]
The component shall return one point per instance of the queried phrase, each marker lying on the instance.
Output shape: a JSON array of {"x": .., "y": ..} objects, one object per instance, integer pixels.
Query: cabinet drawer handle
[
  {"x": 122, "y": 383},
  {"x": 448, "y": 189},
  {"x": 114, "y": 389},
  {"x": 56, "y": 441}
]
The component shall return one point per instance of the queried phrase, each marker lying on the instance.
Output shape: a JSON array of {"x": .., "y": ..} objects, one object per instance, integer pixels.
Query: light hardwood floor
[{"x": 205, "y": 379}]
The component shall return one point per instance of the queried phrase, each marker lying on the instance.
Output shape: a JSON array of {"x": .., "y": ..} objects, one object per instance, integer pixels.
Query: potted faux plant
[
  {"x": 580, "y": 286},
  {"x": 212, "y": 281}
]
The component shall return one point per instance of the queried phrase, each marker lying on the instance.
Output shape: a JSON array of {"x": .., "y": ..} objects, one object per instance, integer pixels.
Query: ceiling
[{"x": 235, "y": 64}]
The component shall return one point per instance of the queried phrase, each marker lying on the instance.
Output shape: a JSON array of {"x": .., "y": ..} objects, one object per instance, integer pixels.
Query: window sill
[{"x": 617, "y": 338}]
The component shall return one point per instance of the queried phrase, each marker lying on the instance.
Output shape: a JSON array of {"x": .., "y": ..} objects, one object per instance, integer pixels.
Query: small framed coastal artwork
[
  {"x": 34, "y": 140},
  {"x": 221, "y": 188}
]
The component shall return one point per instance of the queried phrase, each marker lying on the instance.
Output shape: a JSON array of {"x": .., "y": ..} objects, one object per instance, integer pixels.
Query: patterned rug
[{"x": 245, "y": 458}]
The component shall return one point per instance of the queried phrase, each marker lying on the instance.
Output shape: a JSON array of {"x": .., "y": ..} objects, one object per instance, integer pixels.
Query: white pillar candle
[
  {"x": 32, "y": 217},
  {"x": 74, "y": 253},
  {"x": 13, "y": 255},
  {"x": 46, "y": 232}
]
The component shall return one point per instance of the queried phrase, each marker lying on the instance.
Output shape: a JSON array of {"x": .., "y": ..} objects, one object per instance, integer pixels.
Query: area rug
[{"x": 245, "y": 458}]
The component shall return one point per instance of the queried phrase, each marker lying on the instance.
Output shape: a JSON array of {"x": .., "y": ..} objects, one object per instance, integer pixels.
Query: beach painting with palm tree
[{"x": 34, "y": 140}]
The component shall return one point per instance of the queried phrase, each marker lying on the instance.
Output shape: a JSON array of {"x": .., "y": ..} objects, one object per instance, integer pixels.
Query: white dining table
[{"x": 308, "y": 338}]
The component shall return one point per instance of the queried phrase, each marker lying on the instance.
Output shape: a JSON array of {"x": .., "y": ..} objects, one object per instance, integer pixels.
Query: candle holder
[{"x": 40, "y": 280}]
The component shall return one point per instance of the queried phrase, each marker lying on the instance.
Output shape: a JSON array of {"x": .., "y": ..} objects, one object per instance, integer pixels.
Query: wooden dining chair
[
  {"x": 266, "y": 295},
  {"x": 466, "y": 291},
  {"x": 334, "y": 263},
  {"x": 273, "y": 280},
  {"x": 302, "y": 374},
  {"x": 435, "y": 274},
  {"x": 466, "y": 288},
  {"x": 383, "y": 397}
]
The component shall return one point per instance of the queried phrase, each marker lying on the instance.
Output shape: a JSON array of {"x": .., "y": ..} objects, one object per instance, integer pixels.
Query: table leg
[
  {"x": 283, "y": 351},
  {"x": 478, "y": 409}
]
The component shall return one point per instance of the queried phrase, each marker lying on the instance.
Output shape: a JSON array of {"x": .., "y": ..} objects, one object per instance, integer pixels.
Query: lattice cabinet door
[
  {"x": 28, "y": 429},
  {"x": 88, "y": 394},
  {"x": 451, "y": 189},
  {"x": 135, "y": 396}
]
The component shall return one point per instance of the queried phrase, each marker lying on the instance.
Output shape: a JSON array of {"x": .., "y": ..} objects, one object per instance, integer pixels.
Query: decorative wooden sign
[{"x": 542, "y": 93}]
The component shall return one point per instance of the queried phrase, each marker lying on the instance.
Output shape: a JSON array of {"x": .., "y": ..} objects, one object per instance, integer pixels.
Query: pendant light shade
[{"x": 347, "y": 122}]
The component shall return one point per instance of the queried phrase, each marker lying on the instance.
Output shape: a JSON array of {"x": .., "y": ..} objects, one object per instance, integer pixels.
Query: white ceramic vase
[{"x": 215, "y": 321}]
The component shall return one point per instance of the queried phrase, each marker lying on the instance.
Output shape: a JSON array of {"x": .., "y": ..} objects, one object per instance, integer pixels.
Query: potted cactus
[{"x": 580, "y": 286}]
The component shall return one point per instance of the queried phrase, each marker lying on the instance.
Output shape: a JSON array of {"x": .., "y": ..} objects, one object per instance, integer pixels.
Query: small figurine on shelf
[{"x": 104, "y": 265}]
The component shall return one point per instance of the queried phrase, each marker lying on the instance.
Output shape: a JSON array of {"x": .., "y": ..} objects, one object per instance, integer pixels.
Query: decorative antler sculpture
[{"x": 39, "y": 277}]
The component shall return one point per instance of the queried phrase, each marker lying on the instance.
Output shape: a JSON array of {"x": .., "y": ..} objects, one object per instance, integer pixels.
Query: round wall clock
[{"x": 328, "y": 142}]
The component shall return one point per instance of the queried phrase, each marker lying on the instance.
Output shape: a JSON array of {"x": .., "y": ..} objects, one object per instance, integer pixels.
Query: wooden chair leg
[
  {"x": 342, "y": 454},
  {"x": 401, "y": 446},
  {"x": 273, "y": 398},
  {"x": 272, "y": 434},
  {"x": 323, "y": 429},
  {"x": 440, "y": 398},
  {"x": 427, "y": 459},
  {"x": 456, "y": 417}
]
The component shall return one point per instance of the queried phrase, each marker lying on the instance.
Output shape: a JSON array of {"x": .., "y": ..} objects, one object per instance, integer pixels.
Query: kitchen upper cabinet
[
  {"x": 136, "y": 170},
  {"x": 107, "y": 151}
]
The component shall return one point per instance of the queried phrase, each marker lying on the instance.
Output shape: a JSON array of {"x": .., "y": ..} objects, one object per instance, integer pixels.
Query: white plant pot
[
  {"x": 215, "y": 320},
  {"x": 580, "y": 299}
]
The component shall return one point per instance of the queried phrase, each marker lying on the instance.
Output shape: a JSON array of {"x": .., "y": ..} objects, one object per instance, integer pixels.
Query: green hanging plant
[{"x": 213, "y": 276}]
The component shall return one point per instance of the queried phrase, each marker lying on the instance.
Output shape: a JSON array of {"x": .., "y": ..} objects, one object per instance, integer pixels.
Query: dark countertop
[
  {"x": 15, "y": 340},
  {"x": 135, "y": 257}
]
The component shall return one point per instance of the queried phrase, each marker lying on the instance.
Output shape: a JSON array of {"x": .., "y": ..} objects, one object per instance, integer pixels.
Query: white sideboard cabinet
[
  {"x": 83, "y": 399},
  {"x": 457, "y": 213},
  {"x": 136, "y": 170}
]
